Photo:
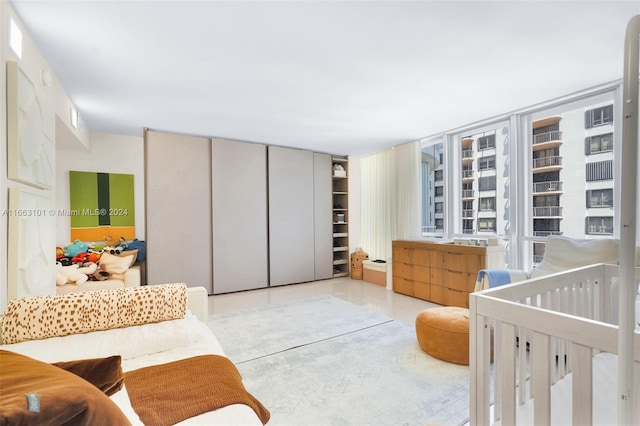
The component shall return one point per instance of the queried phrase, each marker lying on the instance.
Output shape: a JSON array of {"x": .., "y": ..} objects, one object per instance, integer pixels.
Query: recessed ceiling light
[{"x": 15, "y": 38}]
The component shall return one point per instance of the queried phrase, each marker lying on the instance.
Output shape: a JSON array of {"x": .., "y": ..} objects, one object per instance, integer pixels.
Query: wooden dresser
[{"x": 441, "y": 273}]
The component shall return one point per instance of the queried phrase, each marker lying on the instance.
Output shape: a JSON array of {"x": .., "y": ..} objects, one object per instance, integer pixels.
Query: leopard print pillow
[{"x": 41, "y": 317}]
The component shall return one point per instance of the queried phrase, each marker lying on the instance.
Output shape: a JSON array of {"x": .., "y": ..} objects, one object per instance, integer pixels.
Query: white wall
[
  {"x": 108, "y": 153},
  {"x": 34, "y": 65}
]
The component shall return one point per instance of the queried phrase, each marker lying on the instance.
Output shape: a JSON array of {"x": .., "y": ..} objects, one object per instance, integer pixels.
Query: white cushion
[{"x": 562, "y": 253}]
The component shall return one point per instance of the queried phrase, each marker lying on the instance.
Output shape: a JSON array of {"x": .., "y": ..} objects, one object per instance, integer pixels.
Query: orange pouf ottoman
[{"x": 443, "y": 333}]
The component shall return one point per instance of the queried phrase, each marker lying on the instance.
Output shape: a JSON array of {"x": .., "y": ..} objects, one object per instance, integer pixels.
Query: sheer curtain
[{"x": 390, "y": 204}]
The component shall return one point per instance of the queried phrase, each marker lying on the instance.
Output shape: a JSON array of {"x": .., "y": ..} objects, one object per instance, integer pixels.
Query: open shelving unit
[{"x": 340, "y": 216}]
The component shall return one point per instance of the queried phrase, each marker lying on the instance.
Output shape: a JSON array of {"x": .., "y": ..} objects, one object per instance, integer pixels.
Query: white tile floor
[{"x": 371, "y": 296}]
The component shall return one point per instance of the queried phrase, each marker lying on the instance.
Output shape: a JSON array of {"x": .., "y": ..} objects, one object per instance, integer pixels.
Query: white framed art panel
[
  {"x": 30, "y": 130},
  {"x": 31, "y": 251}
]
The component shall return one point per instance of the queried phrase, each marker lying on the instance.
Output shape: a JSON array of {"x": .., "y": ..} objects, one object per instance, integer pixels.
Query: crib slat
[
  {"x": 541, "y": 370},
  {"x": 523, "y": 338},
  {"x": 508, "y": 377},
  {"x": 582, "y": 385},
  {"x": 481, "y": 372},
  {"x": 497, "y": 365}
]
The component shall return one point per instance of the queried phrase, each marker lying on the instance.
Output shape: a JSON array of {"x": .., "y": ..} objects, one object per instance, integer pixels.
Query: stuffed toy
[
  {"x": 93, "y": 255},
  {"x": 115, "y": 247},
  {"x": 74, "y": 248},
  {"x": 59, "y": 252},
  {"x": 75, "y": 273},
  {"x": 88, "y": 268},
  {"x": 140, "y": 246},
  {"x": 80, "y": 257},
  {"x": 64, "y": 261}
]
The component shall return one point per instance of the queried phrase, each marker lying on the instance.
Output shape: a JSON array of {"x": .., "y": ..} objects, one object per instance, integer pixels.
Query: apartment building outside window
[
  {"x": 598, "y": 143},
  {"x": 600, "y": 170},
  {"x": 487, "y": 224},
  {"x": 488, "y": 203},
  {"x": 432, "y": 175},
  {"x": 486, "y": 142},
  {"x": 564, "y": 169},
  {"x": 600, "y": 198},
  {"x": 487, "y": 163},
  {"x": 599, "y": 225},
  {"x": 598, "y": 116},
  {"x": 487, "y": 183}
]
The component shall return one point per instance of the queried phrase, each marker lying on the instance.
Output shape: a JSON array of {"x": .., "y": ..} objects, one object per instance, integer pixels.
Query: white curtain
[{"x": 390, "y": 204}]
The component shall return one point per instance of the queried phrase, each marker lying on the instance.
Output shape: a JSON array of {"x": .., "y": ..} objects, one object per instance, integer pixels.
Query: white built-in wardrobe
[{"x": 232, "y": 216}]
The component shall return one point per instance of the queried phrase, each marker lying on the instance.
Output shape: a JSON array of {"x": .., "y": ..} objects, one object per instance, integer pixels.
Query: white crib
[{"x": 551, "y": 340}]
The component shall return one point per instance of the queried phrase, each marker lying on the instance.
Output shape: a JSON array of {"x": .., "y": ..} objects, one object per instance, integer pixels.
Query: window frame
[{"x": 520, "y": 238}]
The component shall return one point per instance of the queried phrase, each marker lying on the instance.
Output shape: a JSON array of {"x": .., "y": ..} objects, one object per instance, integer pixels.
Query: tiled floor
[{"x": 371, "y": 296}]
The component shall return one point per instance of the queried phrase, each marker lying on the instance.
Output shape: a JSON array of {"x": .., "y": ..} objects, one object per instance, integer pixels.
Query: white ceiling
[{"x": 344, "y": 77}]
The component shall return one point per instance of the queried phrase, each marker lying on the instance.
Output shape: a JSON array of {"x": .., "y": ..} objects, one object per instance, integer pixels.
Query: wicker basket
[{"x": 357, "y": 257}]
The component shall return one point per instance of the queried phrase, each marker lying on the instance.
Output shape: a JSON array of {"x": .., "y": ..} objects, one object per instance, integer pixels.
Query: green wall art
[{"x": 101, "y": 205}]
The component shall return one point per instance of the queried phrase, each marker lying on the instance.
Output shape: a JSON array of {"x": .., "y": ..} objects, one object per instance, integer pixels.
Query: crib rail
[{"x": 526, "y": 336}]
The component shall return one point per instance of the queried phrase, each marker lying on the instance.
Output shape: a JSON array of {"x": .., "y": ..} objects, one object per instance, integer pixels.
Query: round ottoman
[{"x": 444, "y": 333}]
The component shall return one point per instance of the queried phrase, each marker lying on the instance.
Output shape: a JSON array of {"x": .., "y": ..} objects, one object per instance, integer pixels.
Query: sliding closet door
[
  {"x": 240, "y": 245},
  {"x": 178, "y": 209},
  {"x": 291, "y": 225},
  {"x": 323, "y": 215}
]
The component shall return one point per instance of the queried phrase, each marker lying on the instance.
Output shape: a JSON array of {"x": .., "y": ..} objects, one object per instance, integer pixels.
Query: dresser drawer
[
  {"x": 463, "y": 262},
  {"x": 422, "y": 290},
  {"x": 449, "y": 297},
  {"x": 402, "y": 286},
  {"x": 401, "y": 254},
  {"x": 403, "y": 270},
  {"x": 411, "y": 272}
]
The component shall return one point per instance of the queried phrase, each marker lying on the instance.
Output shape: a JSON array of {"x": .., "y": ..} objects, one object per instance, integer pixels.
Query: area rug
[
  {"x": 375, "y": 374},
  {"x": 253, "y": 333}
]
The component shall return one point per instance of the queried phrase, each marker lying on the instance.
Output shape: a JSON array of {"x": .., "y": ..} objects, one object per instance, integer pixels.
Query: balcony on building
[
  {"x": 546, "y": 233},
  {"x": 467, "y": 156},
  {"x": 467, "y": 174},
  {"x": 547, "y": 164},
  {"x": 546, "y": 188},
  {"x": 547, "y": 212},
  {"x": 468, "y": 194},
  {"x": 547, "y": 140},
  {"x": 468, "y": 213}
]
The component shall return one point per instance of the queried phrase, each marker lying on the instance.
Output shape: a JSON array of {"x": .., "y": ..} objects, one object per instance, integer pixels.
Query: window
[
  {"x": 600, "y": 198},
  {"x": 546, "y": 201},
  {"x": 599, "y": 225},
  {"x": 487, "y": 163},
  {"x": 488, "y": 203},
  {"x": 598, "y": 143},
  {"x": 487, "y": 224},
  {"x": 598, "y": 116},
  {"x": 601, "y": 170},
  {"x": 486, "y": 142},
  {"x": 432, "y": 171},
  {"x": 487, "y": 183},
  {"x": 563, "y": 174}
]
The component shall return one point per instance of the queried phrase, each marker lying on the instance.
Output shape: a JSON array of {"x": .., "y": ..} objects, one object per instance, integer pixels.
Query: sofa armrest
[
  {"x": 198, "y": 302},
  {"x": 132, "y": 277},
  {"x": 488, "y": 278}
]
